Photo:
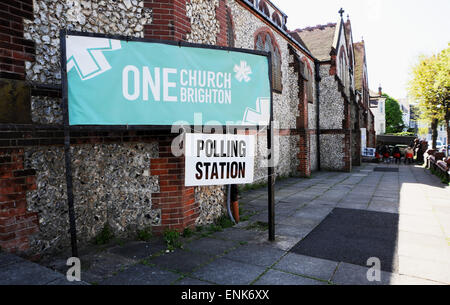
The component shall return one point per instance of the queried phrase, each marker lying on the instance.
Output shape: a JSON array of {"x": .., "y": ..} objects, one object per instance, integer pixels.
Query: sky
[{"x": 395, "y": 32}]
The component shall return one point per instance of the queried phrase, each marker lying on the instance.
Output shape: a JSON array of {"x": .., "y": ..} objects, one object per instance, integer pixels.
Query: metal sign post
[
  {"x": 270, "y": 163},
  {"x": 67, "y": 153}
]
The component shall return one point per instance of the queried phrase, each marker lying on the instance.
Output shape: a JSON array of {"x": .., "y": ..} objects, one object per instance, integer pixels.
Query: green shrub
[
  {"x": 172, "y": 239},
  {"x": 105, "y": 235},
  {"x": 187, "y": 233},
  {"x": 145, "y": 234}
]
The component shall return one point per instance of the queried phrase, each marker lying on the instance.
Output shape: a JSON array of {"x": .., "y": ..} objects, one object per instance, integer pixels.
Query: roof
[
  {"x": 359, "y": 64},
  {"x": 318, "y": 39}
]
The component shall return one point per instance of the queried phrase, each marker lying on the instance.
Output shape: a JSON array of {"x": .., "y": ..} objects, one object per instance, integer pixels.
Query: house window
[
  {"x": 265, "y": 42},
  {"x": 230, "y": 31},
  {"x": 342, "y": 65},
  {"x": 309, "y": 86},
  {"x": 263, "y": 8}
]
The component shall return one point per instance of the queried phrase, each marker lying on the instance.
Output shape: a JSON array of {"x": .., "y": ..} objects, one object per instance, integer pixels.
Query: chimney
[{"x": 380, "y": 92}]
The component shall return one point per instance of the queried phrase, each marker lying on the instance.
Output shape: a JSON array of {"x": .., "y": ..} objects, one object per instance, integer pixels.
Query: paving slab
[
  {"x": 191, "y": 282},
  {"x": 308, "y": 266},
  {"x": 276, "y": 277},
  {"x": 142, "y": 275},
  {"x": 254, "y": 254},
  {"x": 211, "y": 246},
  {"x": 7, "y": 259},
  {"x": 181, "y": 261},
  {"x": 227, "y": 272},
  {"x": 349, "y": 274},
  {"x": 353, "y": 236},
  {"x": 139, "y": 250},
  {"x": 27, "y": 273},
  {"x": 238, "y": 235}
]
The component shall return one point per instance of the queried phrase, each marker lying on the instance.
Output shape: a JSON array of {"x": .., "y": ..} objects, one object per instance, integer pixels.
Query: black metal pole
[
  {"x": 67, "y": 153},
  {"x": 270, "y": 162}
]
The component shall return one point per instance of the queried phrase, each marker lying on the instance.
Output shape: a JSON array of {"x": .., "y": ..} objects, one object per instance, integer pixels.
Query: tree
[
  {"x": 430, "y": 85},
  {"x": 394, "y": 116}
]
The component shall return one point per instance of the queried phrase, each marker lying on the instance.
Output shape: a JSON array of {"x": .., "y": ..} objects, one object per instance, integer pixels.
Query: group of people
[{"x": 416, "y": 150}]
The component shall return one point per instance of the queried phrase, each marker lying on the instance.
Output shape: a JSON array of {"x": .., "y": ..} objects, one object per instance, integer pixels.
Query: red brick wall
[
  {"x": 177, "y": 202},
  {"x": 302, "y": 127},
  {"x": 14, "y": 49},
  {"x": 222, "y": 13},
  {"x": 169, "y": 20},
  {"x": 16, "y": 223}
]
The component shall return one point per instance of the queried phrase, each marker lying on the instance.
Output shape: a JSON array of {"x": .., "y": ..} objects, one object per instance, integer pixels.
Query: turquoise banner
[{"x": 117, "y": 82}]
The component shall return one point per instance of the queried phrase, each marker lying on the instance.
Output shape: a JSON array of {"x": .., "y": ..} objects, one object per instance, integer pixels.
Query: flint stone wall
[{"x": 111, "y": 185}]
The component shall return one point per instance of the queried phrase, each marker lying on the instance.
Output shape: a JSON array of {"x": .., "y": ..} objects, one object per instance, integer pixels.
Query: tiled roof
[
  {"x": 318, "y": 39},
  {"x": 359, "y": 64}
]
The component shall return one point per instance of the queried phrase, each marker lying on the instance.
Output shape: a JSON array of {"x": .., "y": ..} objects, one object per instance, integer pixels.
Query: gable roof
[
  {"x": 360, "y": 54},
  {"x": 318, "y": 39}
]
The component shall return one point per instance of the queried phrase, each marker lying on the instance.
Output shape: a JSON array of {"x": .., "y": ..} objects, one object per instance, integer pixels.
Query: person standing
[
  {"x": 396, "y": 154},
  {"x": 409, "y": 155}
]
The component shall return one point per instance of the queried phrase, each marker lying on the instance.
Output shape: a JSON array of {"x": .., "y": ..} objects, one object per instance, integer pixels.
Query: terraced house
[{"x": 130, "y": 179}]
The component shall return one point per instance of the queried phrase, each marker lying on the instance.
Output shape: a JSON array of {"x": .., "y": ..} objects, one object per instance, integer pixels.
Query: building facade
[
  {"x": 129, "y": 179},
  {"x": 377, "y": 105}
]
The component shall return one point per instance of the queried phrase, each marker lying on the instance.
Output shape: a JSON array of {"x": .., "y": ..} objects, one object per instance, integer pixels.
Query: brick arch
[
  {"x": 342, "y": 54},
  {"x": 266, "y": 30},
  {"x": 309, "y": 89},
  {"x": 264, "y": 8},
  {"x": 226, "y": 22},
  {"x": 276, "y": 18},
  {"x": 277, "y": 75}
]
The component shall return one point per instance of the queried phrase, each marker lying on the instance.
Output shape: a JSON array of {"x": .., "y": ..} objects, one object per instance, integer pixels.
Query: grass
[
  {"x": 105, "y": 235},
  {"x": 187, "y": 233},
  {"x": 172, "y": 239},
  {"x": 144, "y": 234},
  {"x": 259, "y": 225}
]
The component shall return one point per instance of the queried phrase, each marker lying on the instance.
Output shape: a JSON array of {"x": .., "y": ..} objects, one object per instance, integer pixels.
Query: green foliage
[
  {"x": 187, "y": 232},
  {"x": 441, "y": 175},
  {"x": 105, "y": 235},
  {"x": 224, "y": 222},
  {"x": 394, "y": 116},
  {"x": 403, "y": 134},
  {"x": 172, "y": 239},
  {"x": 430, "y": 86},
  {"x": 145, "y": 234},
  {"x": 259, "y": 225}
]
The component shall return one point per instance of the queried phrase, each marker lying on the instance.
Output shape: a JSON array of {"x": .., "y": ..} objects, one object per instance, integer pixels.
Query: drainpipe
[{"x": 318, "y": 79}]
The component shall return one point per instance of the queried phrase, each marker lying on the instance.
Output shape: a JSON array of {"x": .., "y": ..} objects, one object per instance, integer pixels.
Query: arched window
[
  {"x": 309, "y": 85},
  {"x": 276, "y": 18},
  {"x": 266, "y": 42},
  {"x": 342, "y": 66},
  {"x": 230, "y": 30},
  {"x": 263, "y": 8}
]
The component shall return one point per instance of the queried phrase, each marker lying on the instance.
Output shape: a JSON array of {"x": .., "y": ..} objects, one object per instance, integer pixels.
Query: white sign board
[
  {"x": 363, "y": 138},
  {"x": 368, "y": 152},
  {"x": 217, "y": 159}
]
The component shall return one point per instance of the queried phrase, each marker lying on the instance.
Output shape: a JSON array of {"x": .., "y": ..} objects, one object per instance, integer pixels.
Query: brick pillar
[
  {"x": 222, "y": 12},
  {"x": 16, "y": 223},
  {"x": 348, "y": 136},
  {"x": 169, "y": 20},
  {"x": 14, "y": 49},
  {"x": 177, "y": 202},
  {"x": 302, "y": 127}
]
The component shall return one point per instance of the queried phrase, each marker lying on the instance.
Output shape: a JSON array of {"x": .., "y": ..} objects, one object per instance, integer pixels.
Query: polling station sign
[
  {"x": 218, "y": 159},
  {"x": 140, "y": 82}
]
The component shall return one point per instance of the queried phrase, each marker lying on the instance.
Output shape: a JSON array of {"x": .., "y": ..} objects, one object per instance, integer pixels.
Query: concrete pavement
[{"x": 409, "y": 200}]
